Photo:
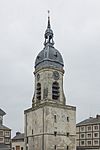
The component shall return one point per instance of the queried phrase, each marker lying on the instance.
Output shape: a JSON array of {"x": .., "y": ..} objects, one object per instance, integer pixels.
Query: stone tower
[{"x": 50, "y": 124}]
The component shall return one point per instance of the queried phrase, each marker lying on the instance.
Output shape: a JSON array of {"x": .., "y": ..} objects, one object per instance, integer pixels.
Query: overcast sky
[{"x": 76, "y": 27}]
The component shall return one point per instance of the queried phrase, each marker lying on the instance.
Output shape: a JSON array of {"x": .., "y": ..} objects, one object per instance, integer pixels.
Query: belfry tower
[
  {"x": 50, "y": 124},
  {"x": 49, "y": 72}
]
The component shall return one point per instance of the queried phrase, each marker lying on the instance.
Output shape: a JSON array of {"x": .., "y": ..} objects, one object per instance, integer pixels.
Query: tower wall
[
  {"x": 42, "y": 126},
  {"x": 46, "y": 79}
]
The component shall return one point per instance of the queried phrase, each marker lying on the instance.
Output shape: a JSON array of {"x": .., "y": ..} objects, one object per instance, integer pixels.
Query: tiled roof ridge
[{"x": 90, "y": 120}]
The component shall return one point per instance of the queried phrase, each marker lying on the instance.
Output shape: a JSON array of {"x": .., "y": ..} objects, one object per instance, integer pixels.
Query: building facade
[
  {"x": 88, "y": 133},
  {"x": 5, "y": 134},
  {"x": 18, "y": 141},
  {"x": 50, "y": 124}
]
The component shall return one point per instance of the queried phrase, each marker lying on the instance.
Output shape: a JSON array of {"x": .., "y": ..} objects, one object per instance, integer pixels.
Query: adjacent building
[
  {"x": 50, "y": 124},
  {"x": 88, "y": 134},
  {"x": 18, "y": 141},
  {"x": 5, "y": 134}
]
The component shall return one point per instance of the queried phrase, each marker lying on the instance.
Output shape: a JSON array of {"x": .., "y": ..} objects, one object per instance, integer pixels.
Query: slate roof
[
  {"x": 90, "y": 120},
  {"x": 49, "y": 56},
  {"x": 2, "y": 112},
  {"x": 4, "y": 127},
  {"x": 19, "y": 136}
]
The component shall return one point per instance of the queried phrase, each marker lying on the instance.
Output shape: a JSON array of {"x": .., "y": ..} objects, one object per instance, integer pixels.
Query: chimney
[{"x": 97, "y": 116}]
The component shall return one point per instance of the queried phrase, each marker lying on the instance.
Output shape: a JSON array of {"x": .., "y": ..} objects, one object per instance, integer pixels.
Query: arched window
[
  {"x": 55, "y": 90},
  {"x": 38, "y": 92}
]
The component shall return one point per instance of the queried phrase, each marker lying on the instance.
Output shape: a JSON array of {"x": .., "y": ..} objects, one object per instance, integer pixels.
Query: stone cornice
[{"x": 69, "y": 107}]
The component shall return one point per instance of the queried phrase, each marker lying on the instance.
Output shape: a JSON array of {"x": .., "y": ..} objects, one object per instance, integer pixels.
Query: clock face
[
  {"x": 55, "y": 75},
  {"x": 38, "y": 77}
]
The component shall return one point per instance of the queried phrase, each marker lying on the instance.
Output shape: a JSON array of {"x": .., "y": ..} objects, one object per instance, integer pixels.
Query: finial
[
  {"x": 49, "y": 33},
  {"x": 48, "y": 13},
  {"x": 49, "y": 19}
]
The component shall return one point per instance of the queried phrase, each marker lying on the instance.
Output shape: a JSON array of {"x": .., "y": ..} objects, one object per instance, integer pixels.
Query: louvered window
[
  {"x": 38, "y": 91},
  {"x": 55, "y": 91}
]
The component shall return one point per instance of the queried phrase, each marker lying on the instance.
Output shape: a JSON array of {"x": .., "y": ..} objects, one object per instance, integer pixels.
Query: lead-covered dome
[{"x": 49, "y": 56}]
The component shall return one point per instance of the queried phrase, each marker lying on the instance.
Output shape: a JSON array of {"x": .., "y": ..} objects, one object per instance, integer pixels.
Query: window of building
[
  {"x": 96, "y": 142},
  {"x": 89, "y": 128},
  {"x": 67, "y": 119},
  {"x": 96, "y": 127},
  {"x": 26, "y": 147},
  {"x": 7, "y": 140},
  {"x": 89, "y": 135},
  {"x": 27, "y": 140},
  {"x": 7, "y": 133},
  {"x": 82, "y": 128},
  {"x": 55, "y": 147},
  {"x": 55, "y": 118},
  {"x": 82, "y": 135},
  {"x": 32, "y": 131},
  {"x": 67, "y": 134},
  {"x": 89, "y": 142},
  {"x": 67, "y": 147},
  {"x": 55, "y": 90},
  {"x": 21, "y": 148},
  {"x": 82, "y": 143},
  {"x": 55, "y": 133},
  {"x": 13, "y": 148},
  {"x": 17, "y": 147},
  {"x": 38, "y": 91},
  {"x": 95, "y": 134},
  {"x": 1, "y": 140},
  {"x": 1, "y": 133}
]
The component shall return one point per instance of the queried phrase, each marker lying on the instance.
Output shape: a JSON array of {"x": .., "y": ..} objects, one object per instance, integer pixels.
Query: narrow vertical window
[
  {"x": 32, "y": 131},
  {"x": 38, "y": 91},
  {"x": 26, "y": 147},
  {"x": 55, "y": 90},
  {"x": 67, "y": 147},
  {"x": 27, "y": 140},
  {"x": 55, "y": 118},
  {"x": 67, "y": 119},
  {"x": 67, "y": 134},
  {"x": 55, "y": 133},
  {"x": 55, "y": 147}
]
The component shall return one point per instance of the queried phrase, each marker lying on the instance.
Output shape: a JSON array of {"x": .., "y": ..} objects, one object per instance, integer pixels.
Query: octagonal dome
[{"x": 49, "y": 57}]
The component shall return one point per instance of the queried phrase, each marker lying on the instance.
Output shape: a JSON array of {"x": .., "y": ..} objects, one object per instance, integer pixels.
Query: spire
[
  {"x": 48, "y": 33},
  {"x": 48, "y": 19}
]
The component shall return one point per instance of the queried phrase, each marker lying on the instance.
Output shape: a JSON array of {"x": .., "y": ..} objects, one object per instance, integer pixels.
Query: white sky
[{"x": 76, "y": 27}]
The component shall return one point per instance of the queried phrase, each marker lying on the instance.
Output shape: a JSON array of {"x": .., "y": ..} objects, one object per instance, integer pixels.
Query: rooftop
[
  {"x": 49, "y": 57},
  {"x": 90, "y": 120},
  {"x": 2, "y": 113},
  {"x": 19, "y": 136},
  {"x": 4, "y": 127}
]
